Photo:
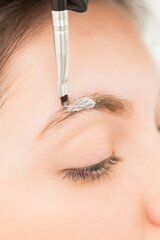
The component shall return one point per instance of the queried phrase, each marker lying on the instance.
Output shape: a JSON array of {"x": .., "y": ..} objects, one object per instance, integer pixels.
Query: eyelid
[{"x": 85, "y": 149}]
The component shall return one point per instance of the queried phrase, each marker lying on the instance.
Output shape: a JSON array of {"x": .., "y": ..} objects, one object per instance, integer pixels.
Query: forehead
[{"x": 107, "y": 53}]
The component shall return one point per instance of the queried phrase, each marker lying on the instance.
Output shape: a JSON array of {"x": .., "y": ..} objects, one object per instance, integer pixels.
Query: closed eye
[{"x": 92, "y": 172}]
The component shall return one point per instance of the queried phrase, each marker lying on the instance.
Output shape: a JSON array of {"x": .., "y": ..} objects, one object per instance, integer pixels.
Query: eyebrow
[{"x": 104, "y": 103}]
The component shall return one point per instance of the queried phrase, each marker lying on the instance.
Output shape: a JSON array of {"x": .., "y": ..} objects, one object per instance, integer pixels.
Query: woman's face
[{"x": 36, "y": 202}]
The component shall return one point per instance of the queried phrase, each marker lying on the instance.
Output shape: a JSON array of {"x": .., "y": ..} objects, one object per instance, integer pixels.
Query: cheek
[
  {"x": 43, "y": 207},
  {"x": 96, "y": 213}
]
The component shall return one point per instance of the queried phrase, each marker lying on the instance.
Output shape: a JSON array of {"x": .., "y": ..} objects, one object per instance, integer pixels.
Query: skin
[{"x": 107, "y": 55}]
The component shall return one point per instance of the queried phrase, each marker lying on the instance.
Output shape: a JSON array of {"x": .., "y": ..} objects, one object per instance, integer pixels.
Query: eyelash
[{"x": 92, "y": 172}]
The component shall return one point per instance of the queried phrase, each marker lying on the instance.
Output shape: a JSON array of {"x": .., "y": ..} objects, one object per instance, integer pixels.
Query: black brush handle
[
  {"x": 59, "y": 5},
  {"x": 74, "y": 5},
  {"x": 78, "y": 5}
]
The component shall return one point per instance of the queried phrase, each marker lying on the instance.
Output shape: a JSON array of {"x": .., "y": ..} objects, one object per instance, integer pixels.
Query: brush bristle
[{"x": 64, "y": 100}]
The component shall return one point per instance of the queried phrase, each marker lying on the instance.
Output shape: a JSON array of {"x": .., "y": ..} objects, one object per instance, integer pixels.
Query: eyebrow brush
[{"x": 61, "y": 39}]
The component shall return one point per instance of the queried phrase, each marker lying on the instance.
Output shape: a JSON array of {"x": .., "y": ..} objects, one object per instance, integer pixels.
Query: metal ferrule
[{"x": 61, "y": 37}]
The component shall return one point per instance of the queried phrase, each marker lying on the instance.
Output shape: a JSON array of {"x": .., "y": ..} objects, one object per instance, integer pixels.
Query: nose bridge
[
  {"x": 152, "y": 164},
  {"x": 152, "y": 193}
]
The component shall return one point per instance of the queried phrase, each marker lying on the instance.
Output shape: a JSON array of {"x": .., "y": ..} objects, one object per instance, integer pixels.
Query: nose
[{"x": 153, "y": 209}]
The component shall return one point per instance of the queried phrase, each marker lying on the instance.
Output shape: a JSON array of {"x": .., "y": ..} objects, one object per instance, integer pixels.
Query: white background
[{"x": 152, "y": 30}]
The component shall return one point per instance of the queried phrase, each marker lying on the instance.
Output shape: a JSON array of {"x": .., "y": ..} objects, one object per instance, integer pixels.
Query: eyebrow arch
[{"x": 104, "y": 102}]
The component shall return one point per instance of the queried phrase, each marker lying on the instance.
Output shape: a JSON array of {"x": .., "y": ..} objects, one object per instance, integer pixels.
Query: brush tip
[{"x": 64, "y": 100}]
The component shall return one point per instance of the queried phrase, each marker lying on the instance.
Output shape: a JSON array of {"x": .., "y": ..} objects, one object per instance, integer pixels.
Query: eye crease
[{"x": 92, "y": 172}]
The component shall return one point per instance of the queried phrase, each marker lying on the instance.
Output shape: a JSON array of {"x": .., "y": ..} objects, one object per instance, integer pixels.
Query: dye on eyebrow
[{"x": 81, "y": 104}]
